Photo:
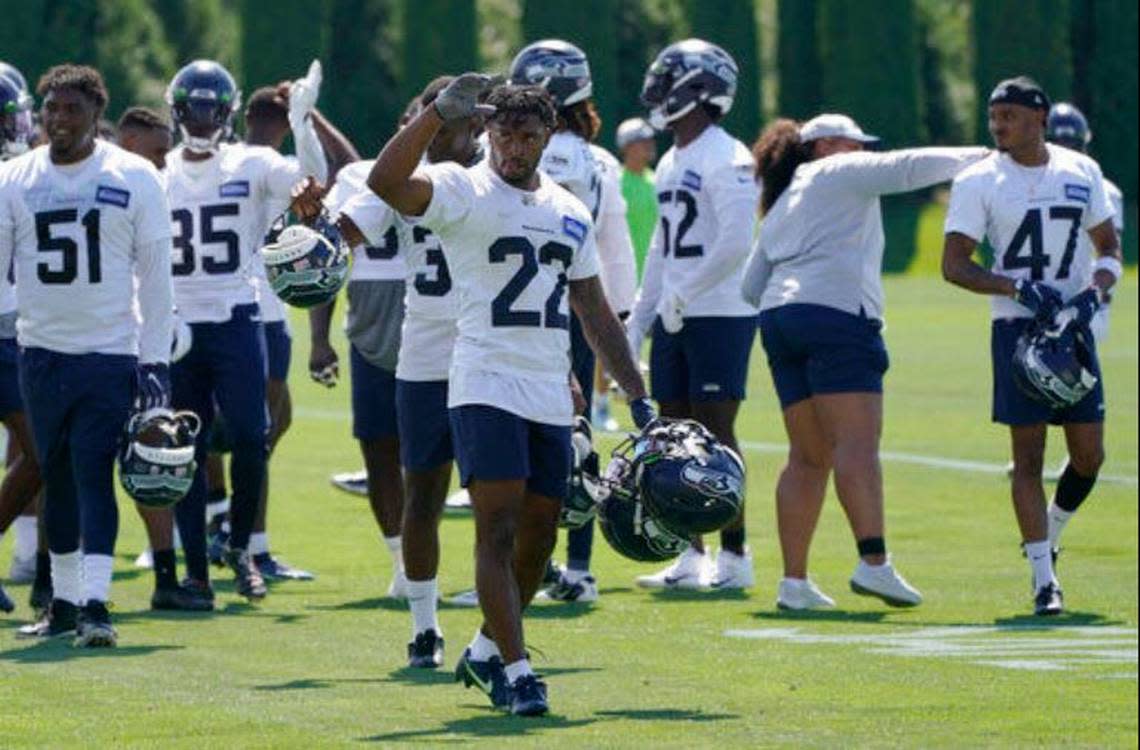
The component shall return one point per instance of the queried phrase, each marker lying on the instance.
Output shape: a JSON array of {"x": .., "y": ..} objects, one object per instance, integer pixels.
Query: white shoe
[
  {"x": 398, "y": 588},
  {"x": 733, "y": 571},
  {"x": 801, "y": 593},
  {"x": 884, "y": 582},
  {"x": 22, "y": 569},
  {"x": 460, "y": 499},
  {"x": 466, "y": 599},
  {"x": 692, "y": 570},
  {"x": 145, "y": 560},
  {"x": 352, "y": 482},
  {"x": 585, "y": 589}
]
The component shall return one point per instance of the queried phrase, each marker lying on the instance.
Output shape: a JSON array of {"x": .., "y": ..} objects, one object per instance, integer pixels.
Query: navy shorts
[
  {"x": 1012, "y": 406},
  {"x": 278, "y": 349},
  {"x": 706, "y": 361},
  {"x": 373, "y": 399},
  {"x": 493, "y": 444},
  {"x": 10, "y": 399},
  {"x": 425, "y": 430},
  {"x": 814, "y": 349}
]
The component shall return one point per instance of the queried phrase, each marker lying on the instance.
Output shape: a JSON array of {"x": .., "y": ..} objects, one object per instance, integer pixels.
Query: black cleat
[
  {"x": 94, "y": 627},
  {"x": 273, "y": 569},
  {"x": 248, "y": 578},
  {"x": 553, "y": 573},
  {"x": 528, "y": 696},
  {"x": 1049, "y": 601},
  {"x": 40, "y": 598},
  {"x": 183, "y": 599},
  {"x": 426, "y": 651},
  {"x": 6, "y": 603},
  {"x": 59, "y": 619},
  {"x": 489, "y": 676}
]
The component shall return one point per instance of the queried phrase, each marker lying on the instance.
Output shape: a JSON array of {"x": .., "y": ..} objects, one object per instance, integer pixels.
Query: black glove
[
  {"x": 1043, "y": 300},
  {"x": 153, "y": 387},
  {"x": 642, "y": 411}
]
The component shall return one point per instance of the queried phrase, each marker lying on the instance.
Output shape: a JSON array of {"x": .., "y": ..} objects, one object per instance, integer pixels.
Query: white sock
[
  {"x": 422, "y": 598},
  {"x": 27, "y": 537},
  {"x": 258, "y": 543},
  {"x": 1058, "y": 517},
  {"x": 217, "y": 508},
  {"x": 395, "y": 547},
  {"x": 177, "y": 538},
  {"x": 483, "y": 648},
  {"x": 572, "y": 576},
  {"x": 517, "y": 669},
  {"x": 1040, "y": 556},
  {"x": 67, "y": 576},
  {"x": 97, "y": 577}
]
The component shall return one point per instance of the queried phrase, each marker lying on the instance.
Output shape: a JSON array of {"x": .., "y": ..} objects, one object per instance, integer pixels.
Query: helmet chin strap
[
  {"x": 659, "y": 118},
  {"x": 201, "y": 145}
]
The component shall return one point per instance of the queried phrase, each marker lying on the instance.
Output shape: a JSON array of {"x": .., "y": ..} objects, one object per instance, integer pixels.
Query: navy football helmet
[
  {"x": 557, "y": 66},
  {"x": 1066, "y": 126},
  {"x": 1055, "y": 365},
  {"x": 585, "y": 486},
  {"x": 203, "y": 99},
  {"x": 626, "y": 523},
  {"x": 686, "y": 74},
  {"x": 156, "y": 456},
  {"x": 306, "y": 266},
  {"x": 689, "y": 480},
  {"x": 11, "y": 72},
  {"x": 17, "y": 131}
]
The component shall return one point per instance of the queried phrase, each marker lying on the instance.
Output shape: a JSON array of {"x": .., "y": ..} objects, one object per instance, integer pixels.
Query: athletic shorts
[
  {"x": 424, "y": 427},
  {"x": 373, "y": 399},
  {"x": 1012, "y": 406},
  {"x": 706, "y": 361},
  {"x": 10, "y": 399},
  {"x": 815, "y": 349},
  {"x": 278, "y": 349},
  {"x": 493, "y": 444}
]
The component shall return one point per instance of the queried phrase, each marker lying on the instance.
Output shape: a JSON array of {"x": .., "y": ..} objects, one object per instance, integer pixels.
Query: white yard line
[{"x": 901, "y": 457}]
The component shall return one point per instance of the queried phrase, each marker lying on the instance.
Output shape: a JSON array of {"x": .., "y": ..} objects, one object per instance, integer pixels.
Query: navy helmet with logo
[
  {"x": 1054, "y": 364},
  {"x": 557, "y": 66},
  {"x": 687, "y": 74},
  {"x": 1066, "y": 126},
  {"x": 156, "y": 456},
  {"x": 17, "y": 131},
  {"x": 203, "y": 99},
  {"x": 631, "y": 530},
  {"x": 306, "y": 266}
]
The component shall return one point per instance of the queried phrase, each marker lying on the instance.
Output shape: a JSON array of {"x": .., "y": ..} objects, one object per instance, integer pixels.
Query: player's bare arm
[
  {"x": 960, "y": 268},
  {"x": 606, "y": 334},
  {"x": 1107, "y": 244}
]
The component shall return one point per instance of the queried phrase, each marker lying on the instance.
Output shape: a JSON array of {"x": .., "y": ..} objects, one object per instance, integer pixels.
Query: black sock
[
  {"x": 43, "y": 570},
  {"x": 733, "y": 540},
  {"x": 165, "y": 573},
  {"x": 872, "y": 545},
  {"x": 1072, "y": 489},
  {"x": 216, "y": 495}
]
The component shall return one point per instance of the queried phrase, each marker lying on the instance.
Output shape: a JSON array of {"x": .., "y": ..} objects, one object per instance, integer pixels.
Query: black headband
[{"x": 1023, "y": 92}]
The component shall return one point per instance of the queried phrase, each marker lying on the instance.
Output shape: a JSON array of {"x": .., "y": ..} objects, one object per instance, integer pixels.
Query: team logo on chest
[
  {"x": 113, "y": 196},
  {"x": 691, "y": 180},
  {"x": 1076, "y": 192},
  {"x": 234, "y": 189}
]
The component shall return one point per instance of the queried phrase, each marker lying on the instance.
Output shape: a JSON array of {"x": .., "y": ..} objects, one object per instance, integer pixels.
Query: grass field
[{"x": 320, "y": 664}]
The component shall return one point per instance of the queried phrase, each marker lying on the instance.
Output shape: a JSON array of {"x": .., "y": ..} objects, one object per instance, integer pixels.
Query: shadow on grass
[
  {"x": 379, "y": 602},
  {"x": 1064, "y": 620},
  {"x": 823, "y": 615},
  {"x": 700, "y": 595},
  {"x": 60, "y": 649},
  {"x": 312, "y": 683},
  {"x": 557, "y": 610},
  {"x": 665, "y": 714}
]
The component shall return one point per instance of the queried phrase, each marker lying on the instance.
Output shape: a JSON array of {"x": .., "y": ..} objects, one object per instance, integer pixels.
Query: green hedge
[{"x": 732, "y": 25}]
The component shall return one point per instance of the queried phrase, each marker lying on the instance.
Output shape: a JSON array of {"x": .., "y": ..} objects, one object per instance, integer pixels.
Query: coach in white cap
[{"x": 815, "y": 274}]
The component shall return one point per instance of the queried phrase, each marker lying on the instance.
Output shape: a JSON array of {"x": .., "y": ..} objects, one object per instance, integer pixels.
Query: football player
[
  {"x": 88, "y": 227},
  {"x": 690, "y": 294},
  {"x": 219, "y": 195},
  {"x": 1032, "y": 201},
  {"x": 590, "y": 172},
  {"x": 518, "y": 246}
]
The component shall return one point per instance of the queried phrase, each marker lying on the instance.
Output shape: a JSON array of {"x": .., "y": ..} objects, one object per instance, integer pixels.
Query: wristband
[{"x": 1110, "y": 264}]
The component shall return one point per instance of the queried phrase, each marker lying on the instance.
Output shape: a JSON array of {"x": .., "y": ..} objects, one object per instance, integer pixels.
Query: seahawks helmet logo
[{"x": 709, "y": 481}]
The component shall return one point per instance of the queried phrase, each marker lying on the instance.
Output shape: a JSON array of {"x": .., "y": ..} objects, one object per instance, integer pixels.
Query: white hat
[
  {"x": 633, "y": 129},
  {"x": 834, "y": 126}
]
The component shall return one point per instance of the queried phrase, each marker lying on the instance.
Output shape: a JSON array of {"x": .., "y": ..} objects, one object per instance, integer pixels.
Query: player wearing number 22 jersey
[{"x": 219, "y": 195}]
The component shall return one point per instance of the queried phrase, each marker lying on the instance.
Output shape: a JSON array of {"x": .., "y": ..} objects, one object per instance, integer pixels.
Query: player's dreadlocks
[
  {"x": 513, "y": 103},
  {"x": 581, "y": 119},
  {"x": 778, "y": 151},
  {"x": 82, "y": 78}
]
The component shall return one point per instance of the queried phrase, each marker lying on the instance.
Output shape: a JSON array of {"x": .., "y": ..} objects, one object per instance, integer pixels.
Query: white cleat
[
  {"x": 801, "y": 594},
  {"x": 585, "y": 589},
  {"x": 466, "y": 599},
  {"x": 884, "y": 582},
  {"x": 398, "y": 588},
  {"x": 692, "y": 570},
  {"x": 733, "y": 571},
  {"x": 460, "y": 500},
  {"x": 145, "y": 560},
  {"x": 352, "y": 482}
]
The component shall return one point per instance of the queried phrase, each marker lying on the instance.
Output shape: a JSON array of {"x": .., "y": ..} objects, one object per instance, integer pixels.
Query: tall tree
[
  {"x": 278, "y": 40},
  {"x": 204, "y": 29},
  {"x": 798, "y": 59},
  {"x": 1111, "y": 94},
  {"x": 732, "y": 25},
  {"x": 439, "y": 38},
  {"x": 132, "y": 53},
  {"x": 644, "y": 28}
]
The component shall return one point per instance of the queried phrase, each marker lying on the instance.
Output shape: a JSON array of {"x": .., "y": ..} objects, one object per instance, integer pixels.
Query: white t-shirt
[
  {"x": 615, "y": 248},
  {"x": 81, "y": 237},
  {"x": 706, "y": 200},
  {"x": 382, "y": 259},
  {"x": 219, "y": 208},
  {"x": 1033, "y": 217},
  {"x": 512, "y": 254}
]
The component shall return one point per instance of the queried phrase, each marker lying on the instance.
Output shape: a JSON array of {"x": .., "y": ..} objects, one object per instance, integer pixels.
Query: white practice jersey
[
  {"x": 706, "y": 200},
  {"x": 569, "y": 161},
  {"x": 90, "y": 244},
  {"x": 1033, "y": 218},
  {"x": 218, "y": 207},
  {"x": 272, "y": 308},
  {"x": 381, "y": 259},
  {"x": 512, "y": 254},
  {"x": 615, "y": 248},
  {"x": 7, "y": 290}
]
